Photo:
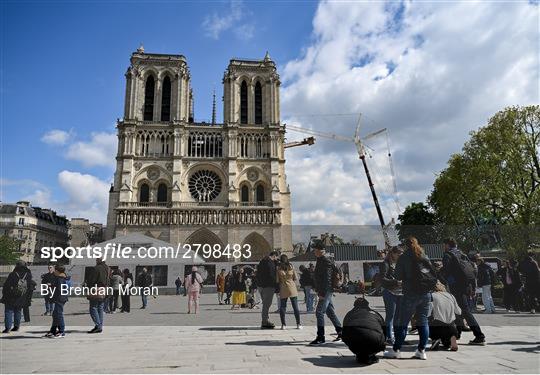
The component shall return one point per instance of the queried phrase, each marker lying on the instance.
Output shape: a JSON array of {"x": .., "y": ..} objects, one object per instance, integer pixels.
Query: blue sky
[
  {"x": 407, "y": 66},
  {"x": 63, "y": 66}
]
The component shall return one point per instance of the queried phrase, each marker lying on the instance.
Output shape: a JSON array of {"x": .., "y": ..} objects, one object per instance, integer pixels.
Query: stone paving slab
[{"x": 129, "y": 346}]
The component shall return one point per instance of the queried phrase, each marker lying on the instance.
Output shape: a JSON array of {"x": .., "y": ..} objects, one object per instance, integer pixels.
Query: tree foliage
[
  {"x": 491, "y": 190},
  {"x": 8, "y": 250},
  {"x": 418, "y": 221}
]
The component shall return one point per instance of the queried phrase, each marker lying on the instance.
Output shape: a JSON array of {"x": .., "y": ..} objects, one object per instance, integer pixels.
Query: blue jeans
[
  {"x": 58, "y": 318},
  {"x": 410, "y": 304},
  {"x": 49, "y": 306},
  {"x": 391, "y": 304},
  {"x": 309, "y": 298},
  {"x": 283, "y": 308},
  {"x": 325, "y": 306},
  {"x": 144, "y": 300},
  {"x": 96, "y": 312},
  {"x": 12, "y": 315}
]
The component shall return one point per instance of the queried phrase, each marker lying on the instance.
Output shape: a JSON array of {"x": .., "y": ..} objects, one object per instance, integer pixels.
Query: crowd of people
[{"x": 435, "y": 299}]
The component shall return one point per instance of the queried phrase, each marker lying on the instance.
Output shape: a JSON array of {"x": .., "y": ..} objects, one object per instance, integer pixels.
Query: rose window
[{"x": 204, "y": 185}]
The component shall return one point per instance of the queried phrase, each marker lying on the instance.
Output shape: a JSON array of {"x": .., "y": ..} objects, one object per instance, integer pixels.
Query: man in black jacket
[
  {"x": 324, "y": 271},
  {"x": 266, "y": 283},
  {"x": 15, "y": 295},
  {"x": 531, "y": 274},
  {"x": 461, "y": 286},
  {"x": 364, "y": 332}
]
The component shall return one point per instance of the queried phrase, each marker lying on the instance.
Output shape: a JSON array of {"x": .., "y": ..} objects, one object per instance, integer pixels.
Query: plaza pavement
[{"x": 164, "y": 339}]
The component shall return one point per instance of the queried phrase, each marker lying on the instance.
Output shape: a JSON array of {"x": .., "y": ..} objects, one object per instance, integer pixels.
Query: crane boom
[{"x": 360, "y": 147}]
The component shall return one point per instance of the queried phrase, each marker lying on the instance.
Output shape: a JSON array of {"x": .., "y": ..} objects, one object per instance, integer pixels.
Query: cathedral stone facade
[{"x": 208, "y": 183}]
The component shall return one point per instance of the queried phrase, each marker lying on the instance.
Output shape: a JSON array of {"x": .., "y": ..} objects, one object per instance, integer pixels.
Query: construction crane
[
  {"x": 310, "y": 141},
  {"x": 361, "y": 149}
]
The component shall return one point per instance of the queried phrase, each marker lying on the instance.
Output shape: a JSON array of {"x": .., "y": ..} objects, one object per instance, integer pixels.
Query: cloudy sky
[{"x": 429, "y": 72}]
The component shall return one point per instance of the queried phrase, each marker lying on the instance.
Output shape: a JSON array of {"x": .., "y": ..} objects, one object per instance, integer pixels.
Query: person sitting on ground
[
  {"x": 364, "y": 331},
  {"x": 442, "y": 322}
]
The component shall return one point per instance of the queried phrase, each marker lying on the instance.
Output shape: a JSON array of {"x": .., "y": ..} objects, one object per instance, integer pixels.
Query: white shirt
[{"x": 445, "y": 307}]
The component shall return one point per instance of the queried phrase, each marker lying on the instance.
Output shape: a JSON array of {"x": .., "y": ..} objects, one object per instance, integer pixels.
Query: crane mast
[{"x": 360, "y": 147}]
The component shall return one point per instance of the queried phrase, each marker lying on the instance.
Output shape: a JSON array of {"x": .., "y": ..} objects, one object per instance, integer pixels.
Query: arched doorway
[
  {"x": 259, "y": 247},
  {"x": 205, "y": 236}
]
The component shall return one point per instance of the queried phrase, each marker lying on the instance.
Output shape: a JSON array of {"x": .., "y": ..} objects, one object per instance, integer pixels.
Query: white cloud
[
  {"x": 85, "y": 195},
  {"x": 99, "y": 151},
  {"x": 215, "y": 24},
  {"x": 57, "y": 137},
  {"x": 410, "y": 67}
]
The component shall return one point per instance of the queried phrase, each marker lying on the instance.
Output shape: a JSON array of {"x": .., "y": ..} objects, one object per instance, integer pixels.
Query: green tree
[
  {"x": 418, "y": 221},
  {"x": 490, "y": 192},
  {"x": 9, "y": 248}
]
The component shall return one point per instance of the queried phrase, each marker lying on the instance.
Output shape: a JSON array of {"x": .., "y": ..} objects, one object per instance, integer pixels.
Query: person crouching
[
  {"x": 442, "y": 322},
  {"x": 364, "y": 332}
]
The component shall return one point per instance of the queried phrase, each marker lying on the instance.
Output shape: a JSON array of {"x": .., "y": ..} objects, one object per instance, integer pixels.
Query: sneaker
[
  {"x": 478, "y": 341},
  {"x": 533, "y": 311},
  {"x": 420, "y": 354},
  {"x": 435, "y": 345},
  {"x": 59, "y": 335},
  {"x": 15, "y": 329},
  {"x": 338, "y": 338},
  {"x": 6, "y": 331},
  {"x": 283, "y": 327},
  {"x": 299, "y": 326},
  {"x": 317, "y": 341},
  {"x": 48, "y": 335},
  {"x": 393, "y": 354},
  {"x": 268, "y": 325},
  {"x": 93, "y": 330}
]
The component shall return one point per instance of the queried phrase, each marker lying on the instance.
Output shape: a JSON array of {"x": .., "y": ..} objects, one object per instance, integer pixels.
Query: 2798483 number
[{"x": 216, "y": 251}]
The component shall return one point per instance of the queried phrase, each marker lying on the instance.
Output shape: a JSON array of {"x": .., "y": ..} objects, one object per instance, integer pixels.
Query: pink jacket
[{"x": 196, "y": 286}]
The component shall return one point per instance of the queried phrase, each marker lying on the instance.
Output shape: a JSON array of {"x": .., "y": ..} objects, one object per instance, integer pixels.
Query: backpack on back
[
  {"x": 337, "y": 277},
  {"x": 425, "y": 278},
  {"x": 465, "y": 268},
  {"x": 21, "y": 287}
]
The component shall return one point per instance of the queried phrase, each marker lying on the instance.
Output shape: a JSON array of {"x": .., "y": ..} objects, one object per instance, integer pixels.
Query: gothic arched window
[
  {"x": 149, "y": 99},
  {"x": 244, "y": 194},
  {"x": 166, "y": 100},
  {"x": 258, "y": 103},
  {"x": 259, "y": 194},
  {"x": 162, "y": 193},
  {"x": 243, "y": 103},
  {"x": 144, "y": 193}
]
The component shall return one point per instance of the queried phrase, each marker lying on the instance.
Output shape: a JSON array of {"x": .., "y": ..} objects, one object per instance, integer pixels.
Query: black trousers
[
  {"x": 126, "y": 303},
  {"x": 461, "y": 298},
  {"x": 442, "y": 331},
  {"x": 511, "y": 298},
  {"x": 26, "y": 313}
]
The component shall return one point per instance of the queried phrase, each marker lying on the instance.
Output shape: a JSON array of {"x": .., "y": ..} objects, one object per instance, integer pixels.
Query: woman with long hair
[
  {"x": 418, "y": 279},
  {"x": 391, "y": 290},
  {"x": 193, "y": 284},
  {"x": 286, "y": 276}
]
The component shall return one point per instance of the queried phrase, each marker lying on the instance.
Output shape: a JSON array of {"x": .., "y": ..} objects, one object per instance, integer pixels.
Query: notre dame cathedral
[{"x": 184, "y": 181}]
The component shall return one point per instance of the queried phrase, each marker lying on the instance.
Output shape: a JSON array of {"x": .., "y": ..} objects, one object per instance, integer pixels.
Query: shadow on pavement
[
  {"x": 269, "y": 343},
  {"x": 535, "y": 349},
  {"x": 230, "y": 329},
  {"x": 336, "y": 361}
]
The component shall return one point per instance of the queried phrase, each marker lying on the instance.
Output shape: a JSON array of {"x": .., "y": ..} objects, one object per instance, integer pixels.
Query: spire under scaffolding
[{"x": 214, "y": 107}]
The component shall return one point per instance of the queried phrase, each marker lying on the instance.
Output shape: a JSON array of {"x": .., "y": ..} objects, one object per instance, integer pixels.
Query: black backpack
[
  {"x": 424, "y": 279},
  {"x": 465, "y": 268}
]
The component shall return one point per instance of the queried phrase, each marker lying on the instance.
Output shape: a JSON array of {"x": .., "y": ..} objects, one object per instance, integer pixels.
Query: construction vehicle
[{"x": 361, "y": 149}]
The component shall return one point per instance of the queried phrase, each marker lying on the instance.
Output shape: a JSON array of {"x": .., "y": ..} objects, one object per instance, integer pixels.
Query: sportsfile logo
[{"x": 117, "y": 251}]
